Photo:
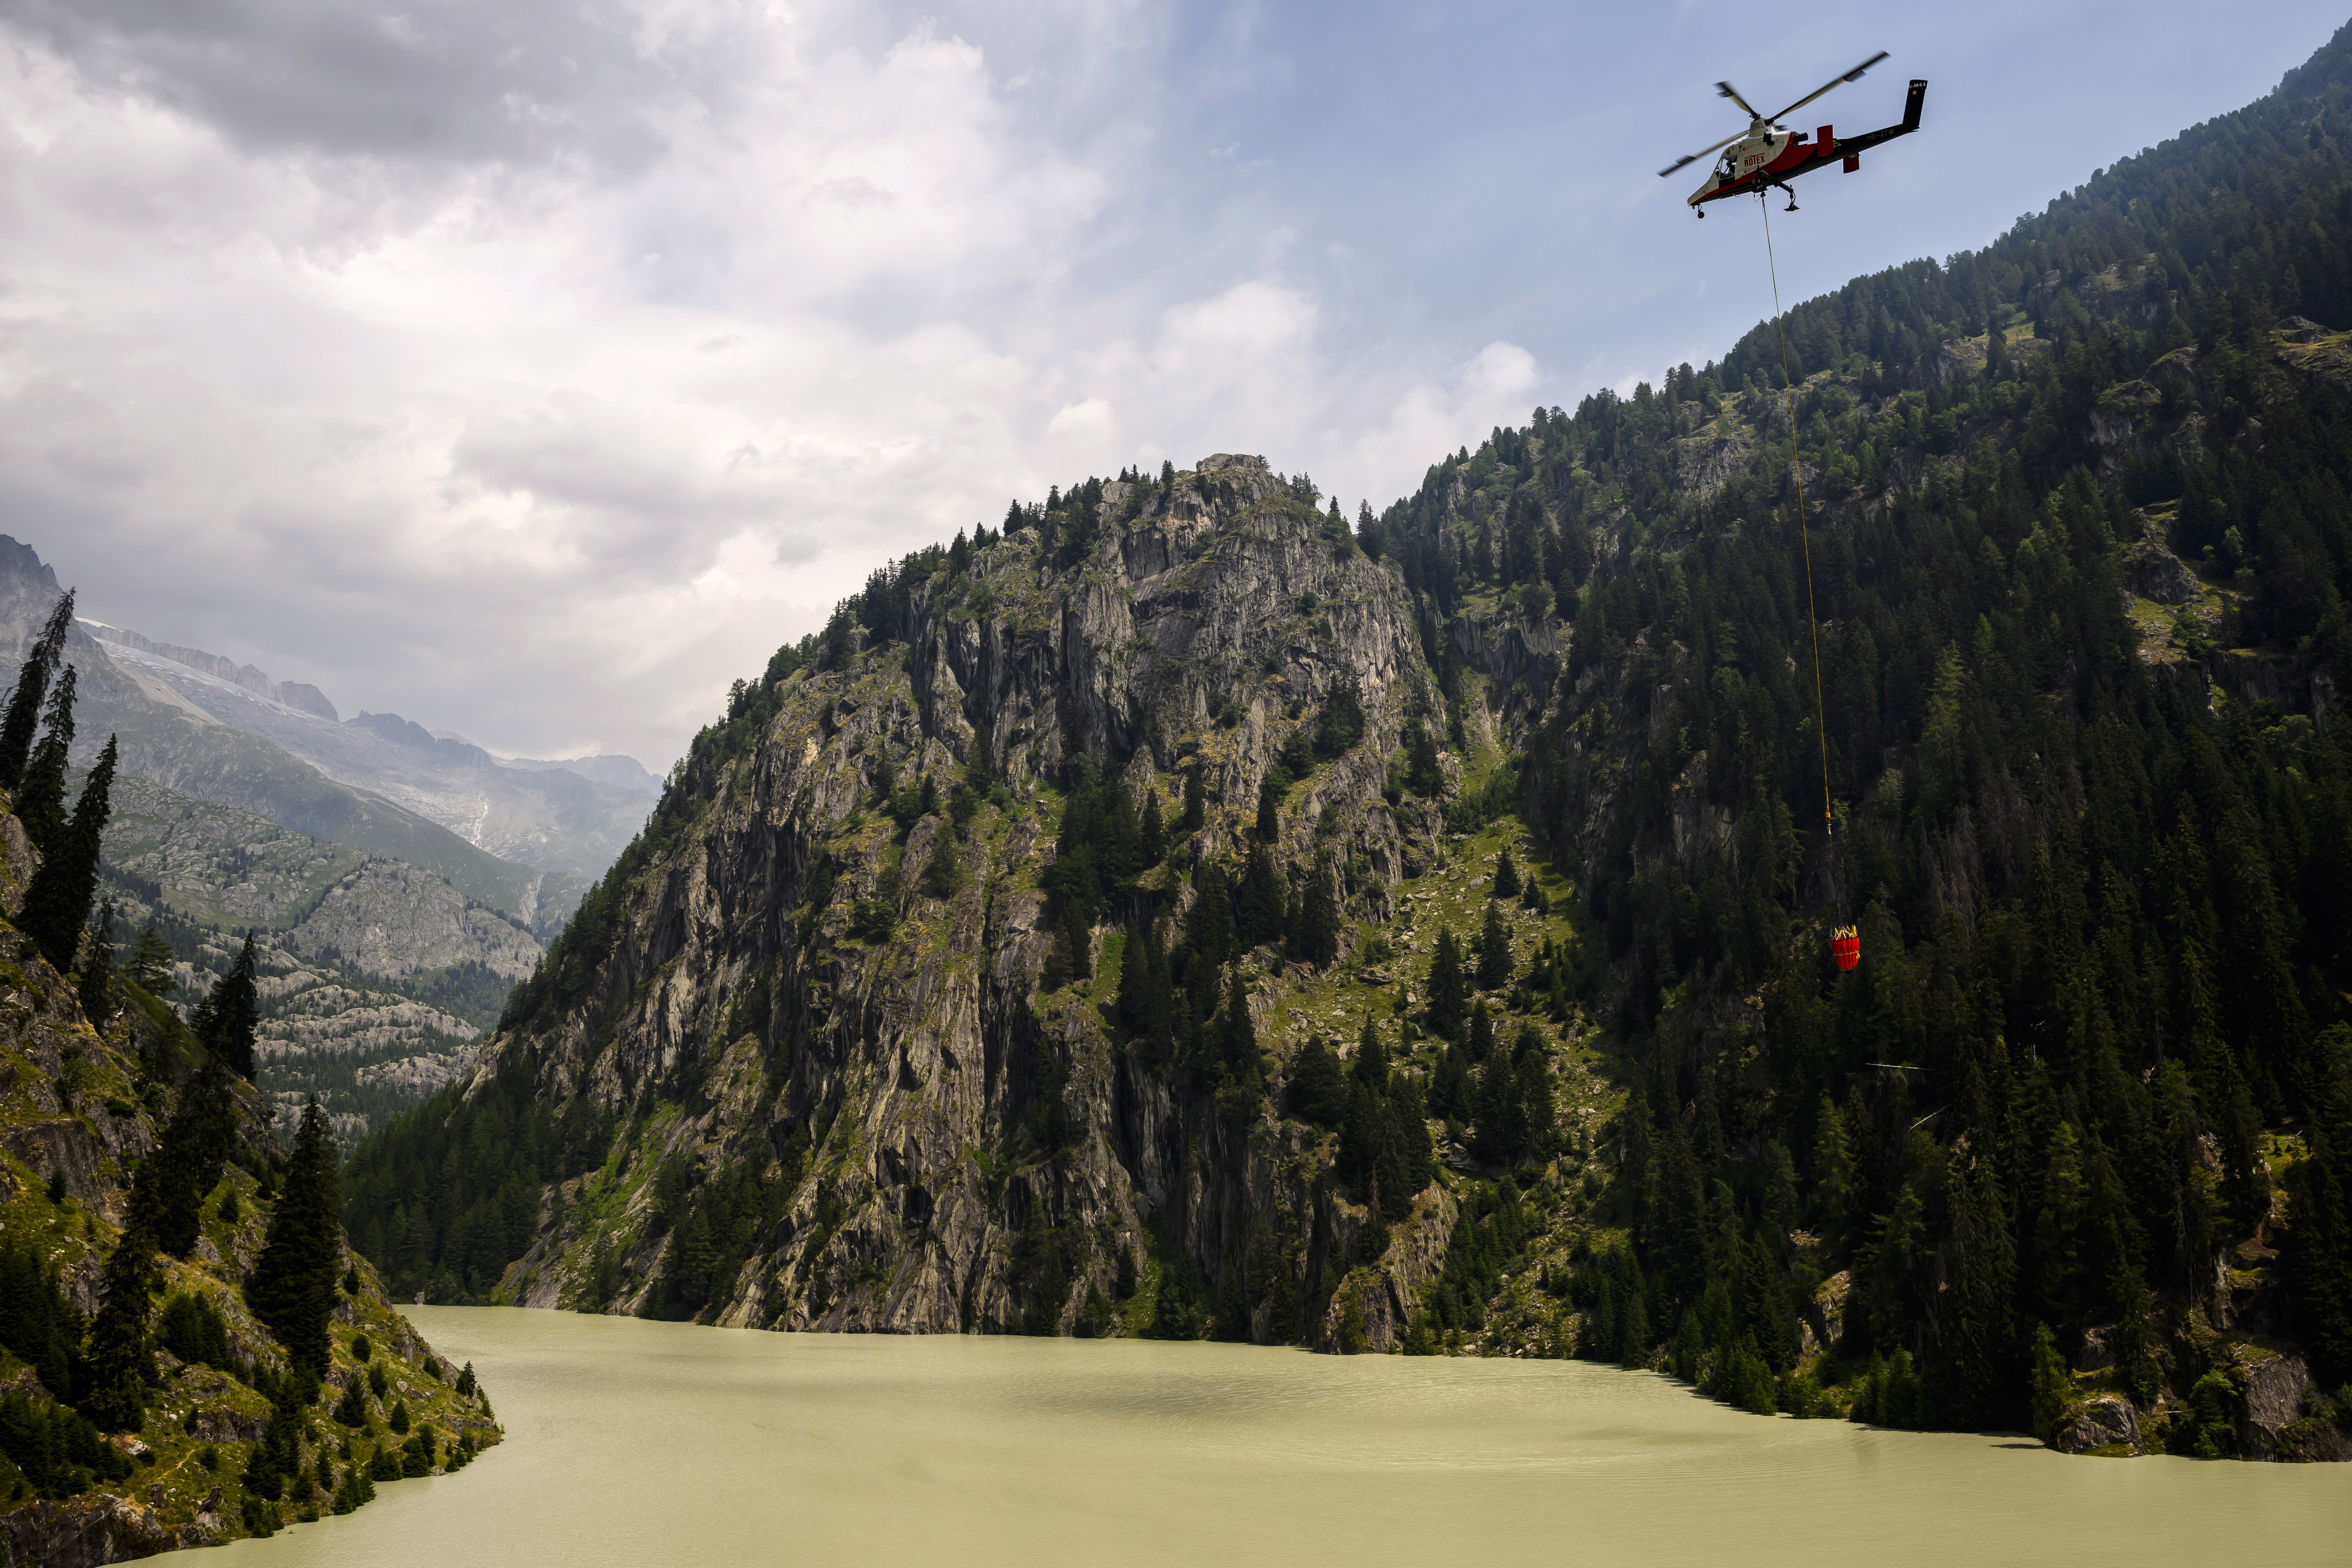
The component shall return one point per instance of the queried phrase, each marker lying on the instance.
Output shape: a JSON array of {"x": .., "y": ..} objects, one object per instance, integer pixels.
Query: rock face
[
  {"x": 949, "y": 1110},
  {"x": 2106, "y": 1422}
]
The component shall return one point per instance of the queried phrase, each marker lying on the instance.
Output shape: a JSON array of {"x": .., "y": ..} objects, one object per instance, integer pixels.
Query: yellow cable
[{"x": 1797, "y": 469}]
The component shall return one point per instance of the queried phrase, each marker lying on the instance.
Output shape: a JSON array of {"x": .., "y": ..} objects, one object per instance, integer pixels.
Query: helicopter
[{"x": 1767, "y": 154}]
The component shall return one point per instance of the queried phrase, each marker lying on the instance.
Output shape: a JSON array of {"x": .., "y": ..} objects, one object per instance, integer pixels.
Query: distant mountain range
[{"x": 523, "y": 836}]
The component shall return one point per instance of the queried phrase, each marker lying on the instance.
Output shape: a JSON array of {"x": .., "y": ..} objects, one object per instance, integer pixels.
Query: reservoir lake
[{"x": 637, "y": 1443}]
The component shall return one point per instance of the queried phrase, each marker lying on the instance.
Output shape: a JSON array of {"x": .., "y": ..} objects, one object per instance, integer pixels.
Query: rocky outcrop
[
  {"x": 2107, "y": 1424},
  {"x": 2152, "y": 572},
  {"x": 950, "y": 1110}
]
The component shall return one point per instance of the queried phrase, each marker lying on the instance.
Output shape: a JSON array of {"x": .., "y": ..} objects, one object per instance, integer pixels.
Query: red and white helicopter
[{"x": 1766, "y": 154}]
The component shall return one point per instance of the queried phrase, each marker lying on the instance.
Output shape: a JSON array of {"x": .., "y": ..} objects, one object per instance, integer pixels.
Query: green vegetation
[{"x": 2101, "y": 910}]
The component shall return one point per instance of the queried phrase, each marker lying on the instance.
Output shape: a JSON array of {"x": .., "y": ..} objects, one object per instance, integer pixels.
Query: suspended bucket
[{"x": 1845, "y": 946}]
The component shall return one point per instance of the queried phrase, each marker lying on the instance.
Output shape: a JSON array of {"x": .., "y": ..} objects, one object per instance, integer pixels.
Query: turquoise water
[{"x": 633, "y": 1442}]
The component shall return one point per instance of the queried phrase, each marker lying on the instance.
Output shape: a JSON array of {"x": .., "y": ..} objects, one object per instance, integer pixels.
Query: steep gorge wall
[{"x": 921, "y": 1073}]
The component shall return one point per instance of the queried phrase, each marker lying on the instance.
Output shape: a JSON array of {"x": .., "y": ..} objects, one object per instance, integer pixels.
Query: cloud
[{"x": 535, "y": 369}]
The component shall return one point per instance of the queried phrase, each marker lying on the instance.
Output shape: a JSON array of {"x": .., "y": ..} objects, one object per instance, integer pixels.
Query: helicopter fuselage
[{"x": 1773, "y": 156}]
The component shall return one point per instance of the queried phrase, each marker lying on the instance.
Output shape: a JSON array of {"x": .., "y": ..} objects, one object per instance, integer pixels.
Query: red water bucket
[{"x": 1845, "y": 946}]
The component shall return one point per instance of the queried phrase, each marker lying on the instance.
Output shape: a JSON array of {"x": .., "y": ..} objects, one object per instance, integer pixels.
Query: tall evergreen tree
[
  {"x": 1152, "y": 839},
  {"x": 1265, "y": 901},
  {"x": 293, "y": 1286},
  {"x": 1448, "y": 990},
  {"x": 167, "y": 1194},
  {"x": 1317, "y": 1093},
  {"x": 1317, "y": 937},
  {"x": 1269, "y": 815},
  {"x": 57, "y": 906},
  {"x": 41, "y": 797},
  {"x": 1507, "y": 876},
  {"x": 122, "y": 1360},
  {"x": 22, "y": 720},
  {"x": 1494, "y": 950},
  {"x": 228, "y": 1019},
  {"x": 1240, "y": 1034},
  {"x": 95, "y": 986},
  {"x": 1196, "y": 801},
  {"x": 1209, "y": 923}
]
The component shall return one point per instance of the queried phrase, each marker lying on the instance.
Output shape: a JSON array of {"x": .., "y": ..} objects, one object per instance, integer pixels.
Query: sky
[{"x": 534, "y": 370}]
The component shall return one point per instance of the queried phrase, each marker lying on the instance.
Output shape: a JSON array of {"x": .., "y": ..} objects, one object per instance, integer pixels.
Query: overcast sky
[{"x": 533, "y": 369}]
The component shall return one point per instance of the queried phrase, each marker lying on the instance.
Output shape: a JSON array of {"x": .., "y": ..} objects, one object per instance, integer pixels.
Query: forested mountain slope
[
  {"x": 188, "y": 1351},
  {"x": 984, "y": 967}
]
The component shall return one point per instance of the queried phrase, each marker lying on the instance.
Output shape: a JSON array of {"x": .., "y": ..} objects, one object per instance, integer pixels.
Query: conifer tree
[
  {"x": 167, "y": 1194},
  {"x": 1209, "y": 923},
  {"x": 1507, "y": 876},
  {"x": 292, "y": 1288},
  {"x": 1450, "y": 1091},
  {"x": 1494, "y": 950},
  {"x": 1448, "y": 989},
  {"x": 1240, "y": 1038},
  {"x": 1196, "y": 801},
  {"x": 152, "y": 961},
  {"x": 41, "y": 797},
  {"x": 1269, "y": 817},
  {"x": 33, "y": 677},
  {"x": 121, "y": 1362},
  {"x": 1264, "y": 900},
  {"x": 96, "y": 985},
  {"x": 1319, "y": 926},
  {"x": 227, "y": 1019},
  {"x": 1151, "y": 843},
  {"x": 1316, "y": 1091},
  {"x": 57, "y": 906}
]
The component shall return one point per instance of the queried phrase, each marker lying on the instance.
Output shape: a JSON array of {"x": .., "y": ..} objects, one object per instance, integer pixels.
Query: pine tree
[
  {"x": 1980, "y": 1346},
  {"x": 1319, "y": 927},
  {"x": 1316, "y": 1091},
  {"x": 57, "y": 906},
  {"x": 33, "y": 678},
  {"x": 1494, "y": 950},
  {"x": 1448, "y": 990},
  {"x": 1269, "y": 819},
  {"x": 41, "y": 797},
  {"x": 96, "y": 985},
  {"x": 227, "y": 1020},
  {"x": 167, "y": 1194},
  {"x": 121, "y": 1362},
  {"x": 1240, "y": 1036},
  {"x": 1196, "y": 801},
  {"x": 1506, "y": 877},
  {"x": 293, "y": 1286},
  {"x": 1153, "y": 837},
  {"x": 1265, "y": 901},
  {"x": 1209, "y": 923},
  {"x": 151, "y": 963}
]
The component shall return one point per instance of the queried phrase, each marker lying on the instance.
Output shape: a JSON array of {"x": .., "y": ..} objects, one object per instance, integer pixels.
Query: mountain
[
  {"x": 170, "y": 740},
  {"x": 568, "y": 818},
  {"x": 377, "y": 978},
  {"x": 1181, "y": 914},
  {"x": 195, "y": 1422}
]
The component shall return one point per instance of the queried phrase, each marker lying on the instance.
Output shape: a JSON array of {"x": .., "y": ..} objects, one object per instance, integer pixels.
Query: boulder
[
  {"x": 2106, "y": 1421},
  {"x": 2152, "y": 572}
]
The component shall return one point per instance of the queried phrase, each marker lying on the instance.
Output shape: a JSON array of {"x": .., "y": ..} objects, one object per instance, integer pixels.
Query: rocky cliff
[{"x": 822, "y": 989}]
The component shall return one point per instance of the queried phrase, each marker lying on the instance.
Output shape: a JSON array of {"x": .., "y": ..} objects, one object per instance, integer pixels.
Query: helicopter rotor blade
[
  {"x": 1724, "y": 90},
  {"x": 1853, "y": 75},
  {"x": 1702, "y": 153}
]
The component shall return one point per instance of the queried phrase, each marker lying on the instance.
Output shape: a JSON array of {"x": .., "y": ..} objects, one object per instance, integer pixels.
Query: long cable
[{"x": 1796, "y": 468}]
